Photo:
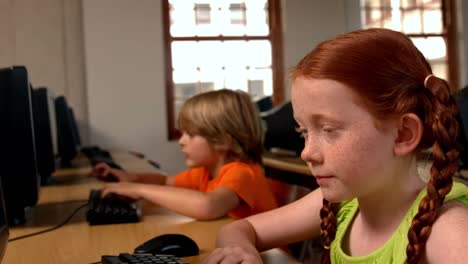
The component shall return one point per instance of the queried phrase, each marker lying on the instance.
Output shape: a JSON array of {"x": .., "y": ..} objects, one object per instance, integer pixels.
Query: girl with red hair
[{"x": 367, "y": 105}]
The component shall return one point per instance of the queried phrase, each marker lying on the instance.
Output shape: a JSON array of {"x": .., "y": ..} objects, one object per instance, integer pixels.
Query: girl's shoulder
[{"x": 447, "y": 241}]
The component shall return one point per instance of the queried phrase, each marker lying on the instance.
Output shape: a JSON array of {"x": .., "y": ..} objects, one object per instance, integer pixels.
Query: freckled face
[{"x": 343, "y": 148}]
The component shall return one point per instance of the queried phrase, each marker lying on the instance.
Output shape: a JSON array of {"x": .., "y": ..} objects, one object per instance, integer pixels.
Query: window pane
[
  {"x": 260, "y": 82},
  {"x": 415, "y": 17},
  {"x": 237, "y": 13},
  {"x": 410, "y": 3},
  {"x": 432, "y": 21},
  {"x": 257, "y": 17},
  {"x": 202, "y": 14},
  {"x": 218, "y": 18},
  {"x": 374, "y": 17},
  {"x": 439, "y": 68},
  {"x": 182, "y": 17},
  {"x": 211, "y": 65},
  {"x": 370, "y": 3},
  {"x": 392, "y": 18},
  {"x": 412, "y": 21},
  {"x": 433, "y": 48},
  {"x": 218, "y": 54},
  {"x": 432, "y": 3}
]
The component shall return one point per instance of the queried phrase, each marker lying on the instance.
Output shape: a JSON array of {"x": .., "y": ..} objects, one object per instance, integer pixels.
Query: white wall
[
  {"x": 124, "y": 68},
  {"x": 125, "y": 82},
  {"x": 307, "y": 23},
  {"x": 46, "y": 37}
]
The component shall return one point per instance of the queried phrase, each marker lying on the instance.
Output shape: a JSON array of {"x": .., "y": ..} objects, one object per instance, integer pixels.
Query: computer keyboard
[
  {"x": 112, "y": 209},
  {"x": 124, "y": 258}
]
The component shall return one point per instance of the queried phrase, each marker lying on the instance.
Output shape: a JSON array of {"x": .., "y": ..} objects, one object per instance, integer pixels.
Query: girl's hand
[
  {"x": 234, "y": 254},
  {"x": 130, "y": 190},
  {"x": 104, "y": 172}
]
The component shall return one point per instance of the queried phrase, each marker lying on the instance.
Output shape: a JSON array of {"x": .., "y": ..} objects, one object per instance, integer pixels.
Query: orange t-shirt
[{"x": 246, "y": 180}]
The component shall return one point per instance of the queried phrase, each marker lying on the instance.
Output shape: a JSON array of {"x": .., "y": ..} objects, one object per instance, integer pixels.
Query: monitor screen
[
  {"x": 280, "y": 131},
  {"x": 19, "y": 175}
]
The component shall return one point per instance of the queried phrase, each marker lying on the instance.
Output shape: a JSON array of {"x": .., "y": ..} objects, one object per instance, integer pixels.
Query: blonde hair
[{"x": 225, "y": 116}]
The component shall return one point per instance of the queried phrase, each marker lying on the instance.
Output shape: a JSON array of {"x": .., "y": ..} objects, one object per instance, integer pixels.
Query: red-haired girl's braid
[
  {"x": 328, "y": 226},
  {"x": 440, "y": 113}
]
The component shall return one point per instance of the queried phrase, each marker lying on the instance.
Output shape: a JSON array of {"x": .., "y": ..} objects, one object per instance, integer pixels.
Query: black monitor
[
  {"x": 44, "y": 125},
  {"x": 66, "y": 135},
  {"x": 462, "y": 101},
  {"x": 76, "y": 131},
  {"x": 4, "y": 232},
  {"x": 18, "y": 173},
  {"x": 281, "y": 135},
  {"x": 264, "y": 103}
]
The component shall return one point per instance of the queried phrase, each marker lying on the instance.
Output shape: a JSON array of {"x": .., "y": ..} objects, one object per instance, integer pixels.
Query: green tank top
[{"x": 394, "y": 250}]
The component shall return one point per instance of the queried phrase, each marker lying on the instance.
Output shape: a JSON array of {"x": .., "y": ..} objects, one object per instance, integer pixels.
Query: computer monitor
[
  {"x": 280, "y": 133},
  {"x": 44, "y": 125},
  {"x": 18, "y": 169},
  {"x": 462, "y": 101},
  {"x": 66, "y": 136},
  {"x": 4, "y": 231},
  {"x": 76, "y": 131},
  {"x": 264, "y": 103}
]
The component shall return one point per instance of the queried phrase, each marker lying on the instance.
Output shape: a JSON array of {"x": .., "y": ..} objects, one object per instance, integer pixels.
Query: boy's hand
[
  {"x": 234, "y": 254},
  {"x": 130, "y": 190},
  {"x": 104, "y": 172}
]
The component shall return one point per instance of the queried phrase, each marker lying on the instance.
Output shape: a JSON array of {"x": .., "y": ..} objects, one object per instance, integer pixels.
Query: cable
[{"x": 52, "y": 228}]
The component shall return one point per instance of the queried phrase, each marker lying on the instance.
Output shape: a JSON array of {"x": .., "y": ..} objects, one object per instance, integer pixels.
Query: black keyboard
[
  {"x": 125, "y": 258},
  {"x": 112, "y": 209}
]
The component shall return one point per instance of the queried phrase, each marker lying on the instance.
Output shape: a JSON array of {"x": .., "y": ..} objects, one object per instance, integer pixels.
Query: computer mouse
[{"x": 178, "y": 245}]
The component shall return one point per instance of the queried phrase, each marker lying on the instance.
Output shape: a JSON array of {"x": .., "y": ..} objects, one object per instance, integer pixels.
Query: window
[
  {"x": 216, "y": 44},
  {"x": 429, "y": 23}
]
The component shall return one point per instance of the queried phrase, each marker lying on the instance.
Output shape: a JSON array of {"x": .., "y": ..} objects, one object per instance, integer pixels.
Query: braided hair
[
  {"x": 440, "y": 111},
  {"x": 391, "y": 76}
]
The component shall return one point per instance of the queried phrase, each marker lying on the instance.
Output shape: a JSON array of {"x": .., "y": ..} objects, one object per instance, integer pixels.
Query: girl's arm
[
  {"x": 294, "y": 222},
  {"x": 193, "y": 203}
]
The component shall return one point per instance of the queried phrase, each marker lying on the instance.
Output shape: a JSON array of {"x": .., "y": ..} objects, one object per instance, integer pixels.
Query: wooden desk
[
  {"x": 286, "y": 163},
  {"x": 291, "y": 170},
  {"x": 77, "y": 242}
]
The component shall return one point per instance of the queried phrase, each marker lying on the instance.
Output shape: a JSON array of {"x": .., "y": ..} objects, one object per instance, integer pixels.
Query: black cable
[
  {"x": 51, "y": 228},
  {"x": 99, "y": 262}
]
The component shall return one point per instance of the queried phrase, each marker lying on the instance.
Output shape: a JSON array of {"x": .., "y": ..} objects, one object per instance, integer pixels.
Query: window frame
[
  {"x": 449, "y": 34},
  {"x": 275, "y": 37}
]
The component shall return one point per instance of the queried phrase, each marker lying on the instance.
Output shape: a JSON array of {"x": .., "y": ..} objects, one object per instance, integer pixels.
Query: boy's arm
[
  {"x": 104, "y": 172},
  {"x": 154, "y": 178},
  {"x": 193, "y": 203}
]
